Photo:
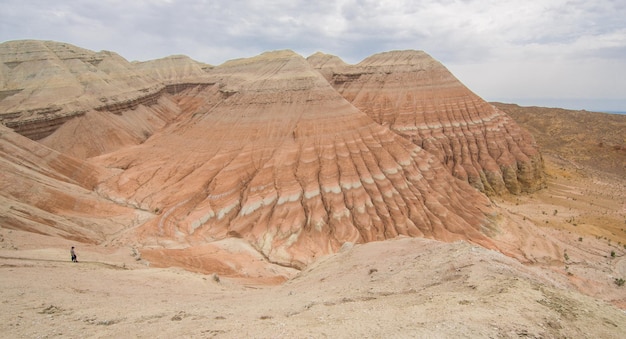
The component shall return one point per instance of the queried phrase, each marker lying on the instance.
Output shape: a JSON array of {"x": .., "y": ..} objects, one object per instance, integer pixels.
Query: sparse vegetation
[
  {"x": 612, "y": 254},
  {"x": 108, "y": 322},
  {"x": 619, "y": 282}
]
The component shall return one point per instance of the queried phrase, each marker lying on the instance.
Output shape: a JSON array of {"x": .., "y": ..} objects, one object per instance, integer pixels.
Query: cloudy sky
[{"x": 565, "y": 53}]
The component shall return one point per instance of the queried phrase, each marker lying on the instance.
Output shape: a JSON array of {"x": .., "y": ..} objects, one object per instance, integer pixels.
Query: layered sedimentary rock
[
  {"x": 66, "y": 76},
  {"x": 276, "y": 156},
  {"x": 419, "y": 99},
  {"x": 45, "y": 192},
  {"x": 175, "y": 69},
  {"x": 46, "y": 84},
  {"x": 98, "y": 132},
  {"x": 296, "y": 157}
]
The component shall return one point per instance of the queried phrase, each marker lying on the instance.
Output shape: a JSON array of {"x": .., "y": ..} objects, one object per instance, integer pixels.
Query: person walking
[{"x": 73, "y": 253}]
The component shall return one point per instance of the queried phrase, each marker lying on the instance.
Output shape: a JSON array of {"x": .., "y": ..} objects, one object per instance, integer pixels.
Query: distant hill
[{"x": 591, "y": 139}]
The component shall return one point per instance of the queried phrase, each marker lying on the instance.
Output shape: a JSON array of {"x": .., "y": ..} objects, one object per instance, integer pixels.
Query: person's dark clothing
[{"x": 73, "y": 255}]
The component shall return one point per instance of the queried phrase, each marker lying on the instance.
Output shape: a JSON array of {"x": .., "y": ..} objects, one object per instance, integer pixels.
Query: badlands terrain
[{"x": 282, "y": 196}]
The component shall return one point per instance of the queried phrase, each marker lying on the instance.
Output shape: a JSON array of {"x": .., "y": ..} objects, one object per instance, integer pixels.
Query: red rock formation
[
  {"x": 262, "y": 149},
  {"x": 276, "y": 156},
  {"x": 45, "y": 192},
  {"x": 419, "y": 99}
]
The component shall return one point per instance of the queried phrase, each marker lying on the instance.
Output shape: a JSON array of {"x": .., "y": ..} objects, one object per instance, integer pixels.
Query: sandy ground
[
  {"x": 399, "y": 288},
  {"x": 575, "y": 227}
]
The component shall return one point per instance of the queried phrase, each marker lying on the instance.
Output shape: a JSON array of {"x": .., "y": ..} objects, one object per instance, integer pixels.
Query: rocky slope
[
  {"x": 408, "y": 91},
  {"x": 419, "y": 99},
  {"x": 283, "y": 161},
  {"x": 45, "y": 192},
  {"x": 268, "y": 149},
  {"x": 45, "y": 84}
]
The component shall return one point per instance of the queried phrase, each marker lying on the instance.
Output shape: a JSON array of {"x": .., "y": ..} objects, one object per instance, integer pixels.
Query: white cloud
[{"x": 498, "y": 48}]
